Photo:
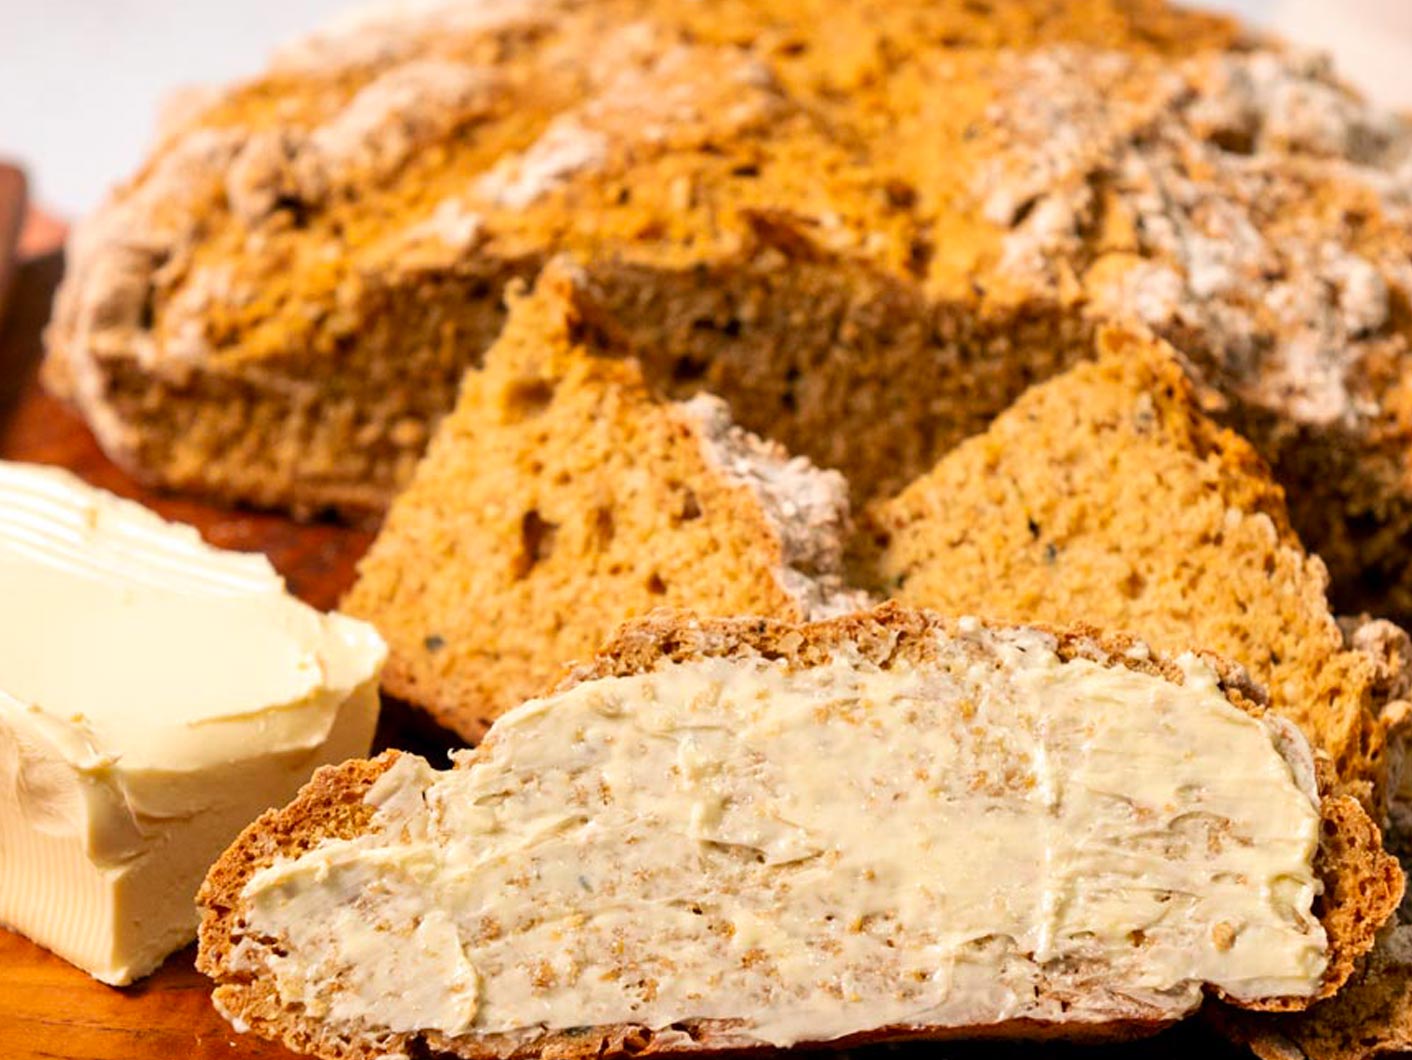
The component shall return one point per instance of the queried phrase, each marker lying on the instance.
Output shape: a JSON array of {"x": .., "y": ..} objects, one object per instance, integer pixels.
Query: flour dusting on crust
[{"x": 807, "y": 506}]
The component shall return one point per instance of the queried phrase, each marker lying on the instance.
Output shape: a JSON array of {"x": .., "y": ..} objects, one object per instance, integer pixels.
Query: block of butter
[{"x": 156, "y": 695}]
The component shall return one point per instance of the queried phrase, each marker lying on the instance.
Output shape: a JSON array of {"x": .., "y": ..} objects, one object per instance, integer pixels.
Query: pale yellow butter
[
  {"x": 156, "y": 695},
  {"x": 997, "y": 835}
]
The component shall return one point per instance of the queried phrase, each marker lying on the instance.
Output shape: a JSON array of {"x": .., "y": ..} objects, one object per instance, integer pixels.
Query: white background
[{"x": 81, "y": 80}]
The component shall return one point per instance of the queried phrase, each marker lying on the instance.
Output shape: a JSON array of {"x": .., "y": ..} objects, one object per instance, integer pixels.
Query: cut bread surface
[
  {"x": 738, "y": 833},
  {"x": 565, "y": 495}
]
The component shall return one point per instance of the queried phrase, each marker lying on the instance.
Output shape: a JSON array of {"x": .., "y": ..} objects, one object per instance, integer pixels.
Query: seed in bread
[{"x": 734, "y": 833}]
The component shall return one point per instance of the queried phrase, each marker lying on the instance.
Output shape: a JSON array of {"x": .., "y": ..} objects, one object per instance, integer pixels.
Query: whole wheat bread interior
[
  {"x": 730, "y": 834},
  {"x": 566, "y": 494}
]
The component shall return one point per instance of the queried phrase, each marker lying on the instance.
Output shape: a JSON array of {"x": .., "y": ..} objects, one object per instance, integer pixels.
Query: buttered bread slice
[
  {"x": 733, "y": 833},
  {"x": 564, "y": 495}
]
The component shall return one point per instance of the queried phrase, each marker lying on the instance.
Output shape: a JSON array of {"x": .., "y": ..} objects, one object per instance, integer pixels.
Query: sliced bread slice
[
  {"x": 563, "y": 496},
  {"x": 738, "y": 833},
  {"x": 1105, "y": 495}
]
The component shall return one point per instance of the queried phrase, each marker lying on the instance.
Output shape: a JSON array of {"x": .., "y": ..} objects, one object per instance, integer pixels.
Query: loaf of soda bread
[{"x": 848, "y": 220}]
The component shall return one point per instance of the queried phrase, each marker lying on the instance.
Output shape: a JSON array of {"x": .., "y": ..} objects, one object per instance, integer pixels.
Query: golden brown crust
[{"x": 1363, "y": 884}]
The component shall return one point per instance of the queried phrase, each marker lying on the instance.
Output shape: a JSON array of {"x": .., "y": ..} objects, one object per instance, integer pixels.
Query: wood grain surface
[{"x": 49, "y": 1009}]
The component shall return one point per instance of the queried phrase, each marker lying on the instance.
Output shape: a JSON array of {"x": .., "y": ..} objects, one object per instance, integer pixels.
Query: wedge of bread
[
  {"x": 737, "y": 833},
  {"x": 1107, "y": 496},
  {"x": 563, "y": 496}
]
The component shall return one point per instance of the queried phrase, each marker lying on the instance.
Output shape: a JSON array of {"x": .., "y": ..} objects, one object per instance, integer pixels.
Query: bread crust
[{"x": 1362, "y": 884}]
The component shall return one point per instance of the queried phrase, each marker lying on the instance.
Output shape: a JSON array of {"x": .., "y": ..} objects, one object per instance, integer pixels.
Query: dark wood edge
[{"x": 13, "y": 197}]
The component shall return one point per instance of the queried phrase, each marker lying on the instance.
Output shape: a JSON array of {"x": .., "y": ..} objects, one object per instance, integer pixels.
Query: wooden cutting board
[{"x": 49, "y": 1009}]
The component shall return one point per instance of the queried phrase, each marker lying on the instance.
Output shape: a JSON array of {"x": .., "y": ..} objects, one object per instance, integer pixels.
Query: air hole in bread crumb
[
  {"x": 593, "y": 329},
  {"x": 687, "y": 369},
  {"x": 655, "y": 584},
  {"x": 1233, "y": 141},
  {"x": 528, "y": 397},
  {"x": 603, "y": 527},
  {"x": 536, "y": 542},
  {"x": 686, "y": 1029},
  {"x": 296, "y": 210},
  {"x": 919, "y": 256},
  {"x": 690, "y": 506},
  {"x": 900, "y": 194},
  {"x": 788, "y": 401}
]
